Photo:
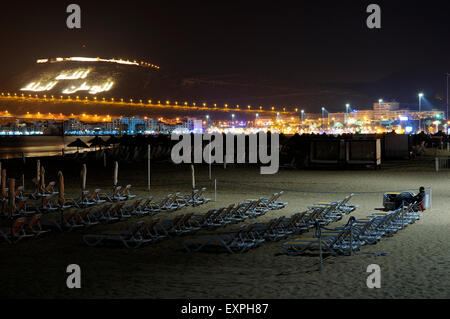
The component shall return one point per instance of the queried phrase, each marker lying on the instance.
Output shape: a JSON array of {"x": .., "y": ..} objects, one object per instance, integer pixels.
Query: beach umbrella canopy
[
  {"x": 126, "y": 140},
  {"x": 78, "y": 143},
  {"x": 97, "y": 141},
  {"x": 83, "y": 177},
  {"x": 61, "y": 188},
  {"x": 112, "y": 140}
]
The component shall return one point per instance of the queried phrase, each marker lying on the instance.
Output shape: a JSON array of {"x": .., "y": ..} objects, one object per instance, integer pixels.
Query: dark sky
[{"x": 287, "y": 44}]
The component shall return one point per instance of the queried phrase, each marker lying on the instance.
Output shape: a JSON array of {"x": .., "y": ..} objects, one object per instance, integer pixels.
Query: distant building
[
  {"x": 337, "y": 117},
  {"x": 134, "y": 124},
  {"x": 384, "y": 111},
  {"x": 362, "y": 115},
  {"x": 152, "y": 125}
]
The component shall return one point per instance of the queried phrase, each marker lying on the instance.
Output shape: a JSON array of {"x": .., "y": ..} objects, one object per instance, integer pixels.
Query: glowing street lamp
[{"x": 347, "y": 106}]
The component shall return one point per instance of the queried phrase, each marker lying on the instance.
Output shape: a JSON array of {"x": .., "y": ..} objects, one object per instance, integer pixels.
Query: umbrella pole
[{"x": 12, "y": 185}]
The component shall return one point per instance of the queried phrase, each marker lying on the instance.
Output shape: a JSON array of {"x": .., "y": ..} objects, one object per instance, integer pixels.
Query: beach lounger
[
  {"x": 269, "y": 231},
  {"x": 126, "y": 193},
  {"x": 85, "y": 217},
  {"x": 216, "y": 220},
  {"x": 15, "y": 233},
  {"x": 189, "y": 199},
  {"x": 135, "y": 208},
  {"x": 21, "y": 209},
  {"x": 172, "y": 203},
  {"x": 335, "y": 244},
  {"x": 86, "y": 200},
  {"x": 186, "y": 225},
  {"x": 114, "y": 195},
  {"x": 204, "y": 220},
  {"x": 169, "y": 227},
  {"x": 200, "y": 198},
  {"x": 234, "y": 242},
  {"x": 150, "y": 231},
  {"x": 113, "y": 214},
  {"x": 150, "y": 207},
  {"x": 46, "y": 191},
  {"x": 167, "y": 203},
  {"x": 288, "y": 226},
  {"x": 228, "y": 216},
  {"x": 95, "y": 197},
  {"x": 82, "y": 201},
  {"x": 34, "y": 227},
  {"x": 48, "y": 204},
  {"x": 342, "y": 207},
  {"x": 250, "y": 209},
  {"x": 67, "y": 223},
  {"x": 130, "y": 238},
  {"x": 273, "y": 203},
  {"x": 19, "y": 193}
]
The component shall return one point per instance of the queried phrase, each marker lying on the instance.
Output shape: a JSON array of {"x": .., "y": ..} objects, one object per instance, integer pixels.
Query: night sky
[{"x": 302, "y": 45}]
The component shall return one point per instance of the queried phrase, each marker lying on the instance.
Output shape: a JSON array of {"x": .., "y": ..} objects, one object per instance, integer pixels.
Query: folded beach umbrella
[
  {"x": 4, "y": 188},
  {"x": 83, "y": 177},
  {"x": 42, "y": 180},
  {"x": 12, "y": 196},
  {"x": 61, "y": 188},
  {"x": 116, "y": 173},
  {"x": 38, "y": 171}
]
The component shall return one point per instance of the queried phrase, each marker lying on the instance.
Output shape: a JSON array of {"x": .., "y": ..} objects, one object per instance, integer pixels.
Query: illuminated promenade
[{"x": 59, "y": 107}]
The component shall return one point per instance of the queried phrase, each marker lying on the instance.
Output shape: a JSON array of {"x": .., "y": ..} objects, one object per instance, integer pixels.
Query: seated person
[{"x": 409, "y": 198}]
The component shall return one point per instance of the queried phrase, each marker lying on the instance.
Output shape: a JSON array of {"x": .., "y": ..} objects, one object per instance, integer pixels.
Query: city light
[{"x": 76, "y": 75}]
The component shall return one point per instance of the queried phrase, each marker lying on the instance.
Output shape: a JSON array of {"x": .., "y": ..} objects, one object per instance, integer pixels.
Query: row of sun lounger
[
  {"x": 357, "y": 232},
  {"x": 252, "y": 235},
  {"x": 88, "y": 217},
  {"x": 141, "y": 233},
  {"x": 51, "y": 203},
  {"x": 22, "y": 228}
]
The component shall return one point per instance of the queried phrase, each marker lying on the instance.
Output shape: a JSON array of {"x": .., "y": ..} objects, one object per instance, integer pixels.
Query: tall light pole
[
  {"x": 346, "y": 113},
  {"x": 303, "y": 115},
  {"x": 420, "y": 109},
  {"x": 379, "y": 109},
  {"x": 447, "y": 74},
  {"x": 323, "y": 117}
]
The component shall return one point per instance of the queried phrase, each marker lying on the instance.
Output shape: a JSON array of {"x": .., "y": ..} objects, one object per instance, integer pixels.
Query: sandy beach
[{"x": 415, "y": 261}]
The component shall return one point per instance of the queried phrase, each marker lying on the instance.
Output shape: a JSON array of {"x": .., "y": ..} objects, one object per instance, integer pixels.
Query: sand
[{"x": 416, "y": 264}]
